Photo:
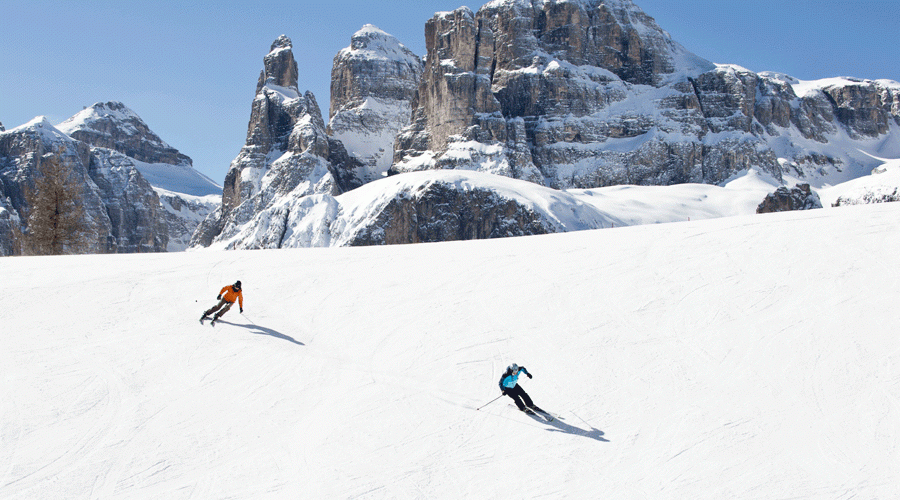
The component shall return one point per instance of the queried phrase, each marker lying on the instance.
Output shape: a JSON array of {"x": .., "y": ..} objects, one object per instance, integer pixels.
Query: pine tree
[{"x": 56, "y": 219}]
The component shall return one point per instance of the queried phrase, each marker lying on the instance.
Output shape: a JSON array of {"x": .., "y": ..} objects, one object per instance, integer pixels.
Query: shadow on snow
[
  {"x": 261, "y": 330},
  {"x": 561, "y": 426}
]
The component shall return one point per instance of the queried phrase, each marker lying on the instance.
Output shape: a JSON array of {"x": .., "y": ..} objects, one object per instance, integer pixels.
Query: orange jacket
[{"x": 229, "y": 295}]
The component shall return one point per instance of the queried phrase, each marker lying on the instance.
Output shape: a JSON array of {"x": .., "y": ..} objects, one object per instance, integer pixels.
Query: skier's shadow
[
  {"x": 561, "y": 426},
  {"x": 261, "y": 330}
]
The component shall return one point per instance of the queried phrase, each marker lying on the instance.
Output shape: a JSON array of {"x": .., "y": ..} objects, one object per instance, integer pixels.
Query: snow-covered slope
[
  {"x": 348, "y": 219},
  {"x": 743, "y": 357}
]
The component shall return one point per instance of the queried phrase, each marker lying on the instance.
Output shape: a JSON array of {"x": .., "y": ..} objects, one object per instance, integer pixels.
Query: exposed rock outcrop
[
  {"x": 536, "y": 90},
  {"x": 287, "y": 152},
  {"x": 135, "y": 215},
  {"x": 112, "y": 125},
  {"x": 373, "y": 84},
  {"x": 592, "y": 93},
  {"x": 443, "y": 212},
  {"x": 187, "y": 195},
  {"x": 783, "y": 199},
  {"x": 560, "y": 93},
  {"x": 121, "y": 207},
  {"x": 419, "y": 207},
  {"x": 867, "y": 108}
]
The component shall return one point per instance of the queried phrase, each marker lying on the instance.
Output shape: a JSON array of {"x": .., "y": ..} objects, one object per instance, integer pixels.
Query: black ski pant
[
  {"x": 520, "y": 397},
  {"x": 223, "y": 306}
]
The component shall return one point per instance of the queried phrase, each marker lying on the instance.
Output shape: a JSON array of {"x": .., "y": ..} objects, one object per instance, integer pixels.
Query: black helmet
[{"x": 237, "y": 284}]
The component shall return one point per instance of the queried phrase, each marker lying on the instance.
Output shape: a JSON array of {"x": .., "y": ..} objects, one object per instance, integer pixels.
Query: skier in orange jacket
[{"x": 227, "y": 296}]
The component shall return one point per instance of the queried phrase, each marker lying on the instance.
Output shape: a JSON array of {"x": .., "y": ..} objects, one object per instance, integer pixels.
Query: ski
[
  {"x": 535, "y": 413},
  {"x": 546, "y": 415}
]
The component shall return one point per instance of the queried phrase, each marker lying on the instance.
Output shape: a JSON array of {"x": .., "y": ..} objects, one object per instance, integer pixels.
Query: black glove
[
  {"x": 529, "y": 375},
  {"x": 503, "y": 392},
  {"x": 219, "y": 297},
  {"x": 242, "y": 310}
]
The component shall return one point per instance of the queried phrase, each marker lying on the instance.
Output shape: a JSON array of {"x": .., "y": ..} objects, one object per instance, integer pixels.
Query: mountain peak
[
  {"x": 615, "y": 35},
  {"x": 41, "y": 126},
  {"x": 370, "y": 42},
  {"x": 282, "y": 42},
  {"x": 109, "y": 112},
  {"x": 280, "y": 68},
  {"x": 115, "y": 126}
]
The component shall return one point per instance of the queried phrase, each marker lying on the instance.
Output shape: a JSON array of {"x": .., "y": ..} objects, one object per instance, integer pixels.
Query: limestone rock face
[
  {"x": 137, "y": 220},
  {"x": 112, "y": 125},
  {"x": 560, "y": 93},
  {"x": 535, "y": 90},
  {"x": 122, "y": 208},
  {"x": 783, "y": 199},
  {"x": 867, "y": 108},
  {"x": 287, "y": 152},
  {"x": 279, "y": 66},
  {"x": 443, "y": 213},
  {"x": 592, "y": 93},
  {"x": 373, "y": 84}
]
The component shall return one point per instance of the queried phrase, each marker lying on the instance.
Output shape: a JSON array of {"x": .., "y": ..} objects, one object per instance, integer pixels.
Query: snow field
[{"x": 741, "y": 357}]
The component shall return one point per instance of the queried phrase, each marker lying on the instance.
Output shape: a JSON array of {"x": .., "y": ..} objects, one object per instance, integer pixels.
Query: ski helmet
[
  {"x": 513, "y": 367},
  {"x": 237, "y": 284}
]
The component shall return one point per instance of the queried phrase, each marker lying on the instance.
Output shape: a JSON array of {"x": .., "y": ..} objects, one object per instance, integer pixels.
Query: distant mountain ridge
[
  {"x": 139, "y": 203},
  {"x": 575, "y": 94},
  {"x": 537, "y": 105},
  {"x": 114, "y": 126}
]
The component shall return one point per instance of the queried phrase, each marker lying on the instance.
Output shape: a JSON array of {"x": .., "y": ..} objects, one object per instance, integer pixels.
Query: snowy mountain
[
  {"x": 741, "y": 357},
  {"x": 142, "y": 194},
  {"x": 187, "y": 196},
  {"x": 287, "y": 156},
  {"x": 122, "y": 210},
  {"x": 588, "y": 98},
  {"x": 591, "y": 93},
  {"x": 373, "y": 85},
  {"x": 113, "y": 126}
]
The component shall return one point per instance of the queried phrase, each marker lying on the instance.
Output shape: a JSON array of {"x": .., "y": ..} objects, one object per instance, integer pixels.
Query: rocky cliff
[
  {"x": 416, "y": 208},
  {"x": 121, "y": 207},
  {"x": 152, "y": 201},
  {"x": 373, "y": 84},
  {"x": 590, "y": 93},
  {"x": 287, "y": 152},
  {"x": 187, "y": 195},
  {"x": 135, "y": 215},
  {"x": 112, "y": 125},
  {"x": 559, "y": 93}
]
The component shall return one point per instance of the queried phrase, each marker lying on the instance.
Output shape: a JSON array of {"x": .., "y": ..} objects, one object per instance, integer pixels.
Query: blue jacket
[{"x": 509, "y": 380}]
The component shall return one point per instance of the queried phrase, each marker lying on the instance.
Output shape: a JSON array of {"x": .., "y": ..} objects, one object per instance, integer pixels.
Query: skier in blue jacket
[{"x": 509, "y": 385}]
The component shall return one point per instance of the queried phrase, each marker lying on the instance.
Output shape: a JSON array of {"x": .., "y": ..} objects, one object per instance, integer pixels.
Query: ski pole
[{"x": 489, "y": 402}]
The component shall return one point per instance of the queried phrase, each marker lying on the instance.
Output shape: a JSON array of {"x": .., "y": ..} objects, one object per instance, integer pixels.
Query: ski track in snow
[{"x": 747, "y": 357}]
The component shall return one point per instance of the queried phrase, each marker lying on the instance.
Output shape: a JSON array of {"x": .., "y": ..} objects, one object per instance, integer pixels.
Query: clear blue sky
[{"x": 189, "y": 68}]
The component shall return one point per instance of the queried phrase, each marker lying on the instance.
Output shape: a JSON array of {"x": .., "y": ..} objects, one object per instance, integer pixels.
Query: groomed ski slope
[{"x": 744, "y": 357}]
